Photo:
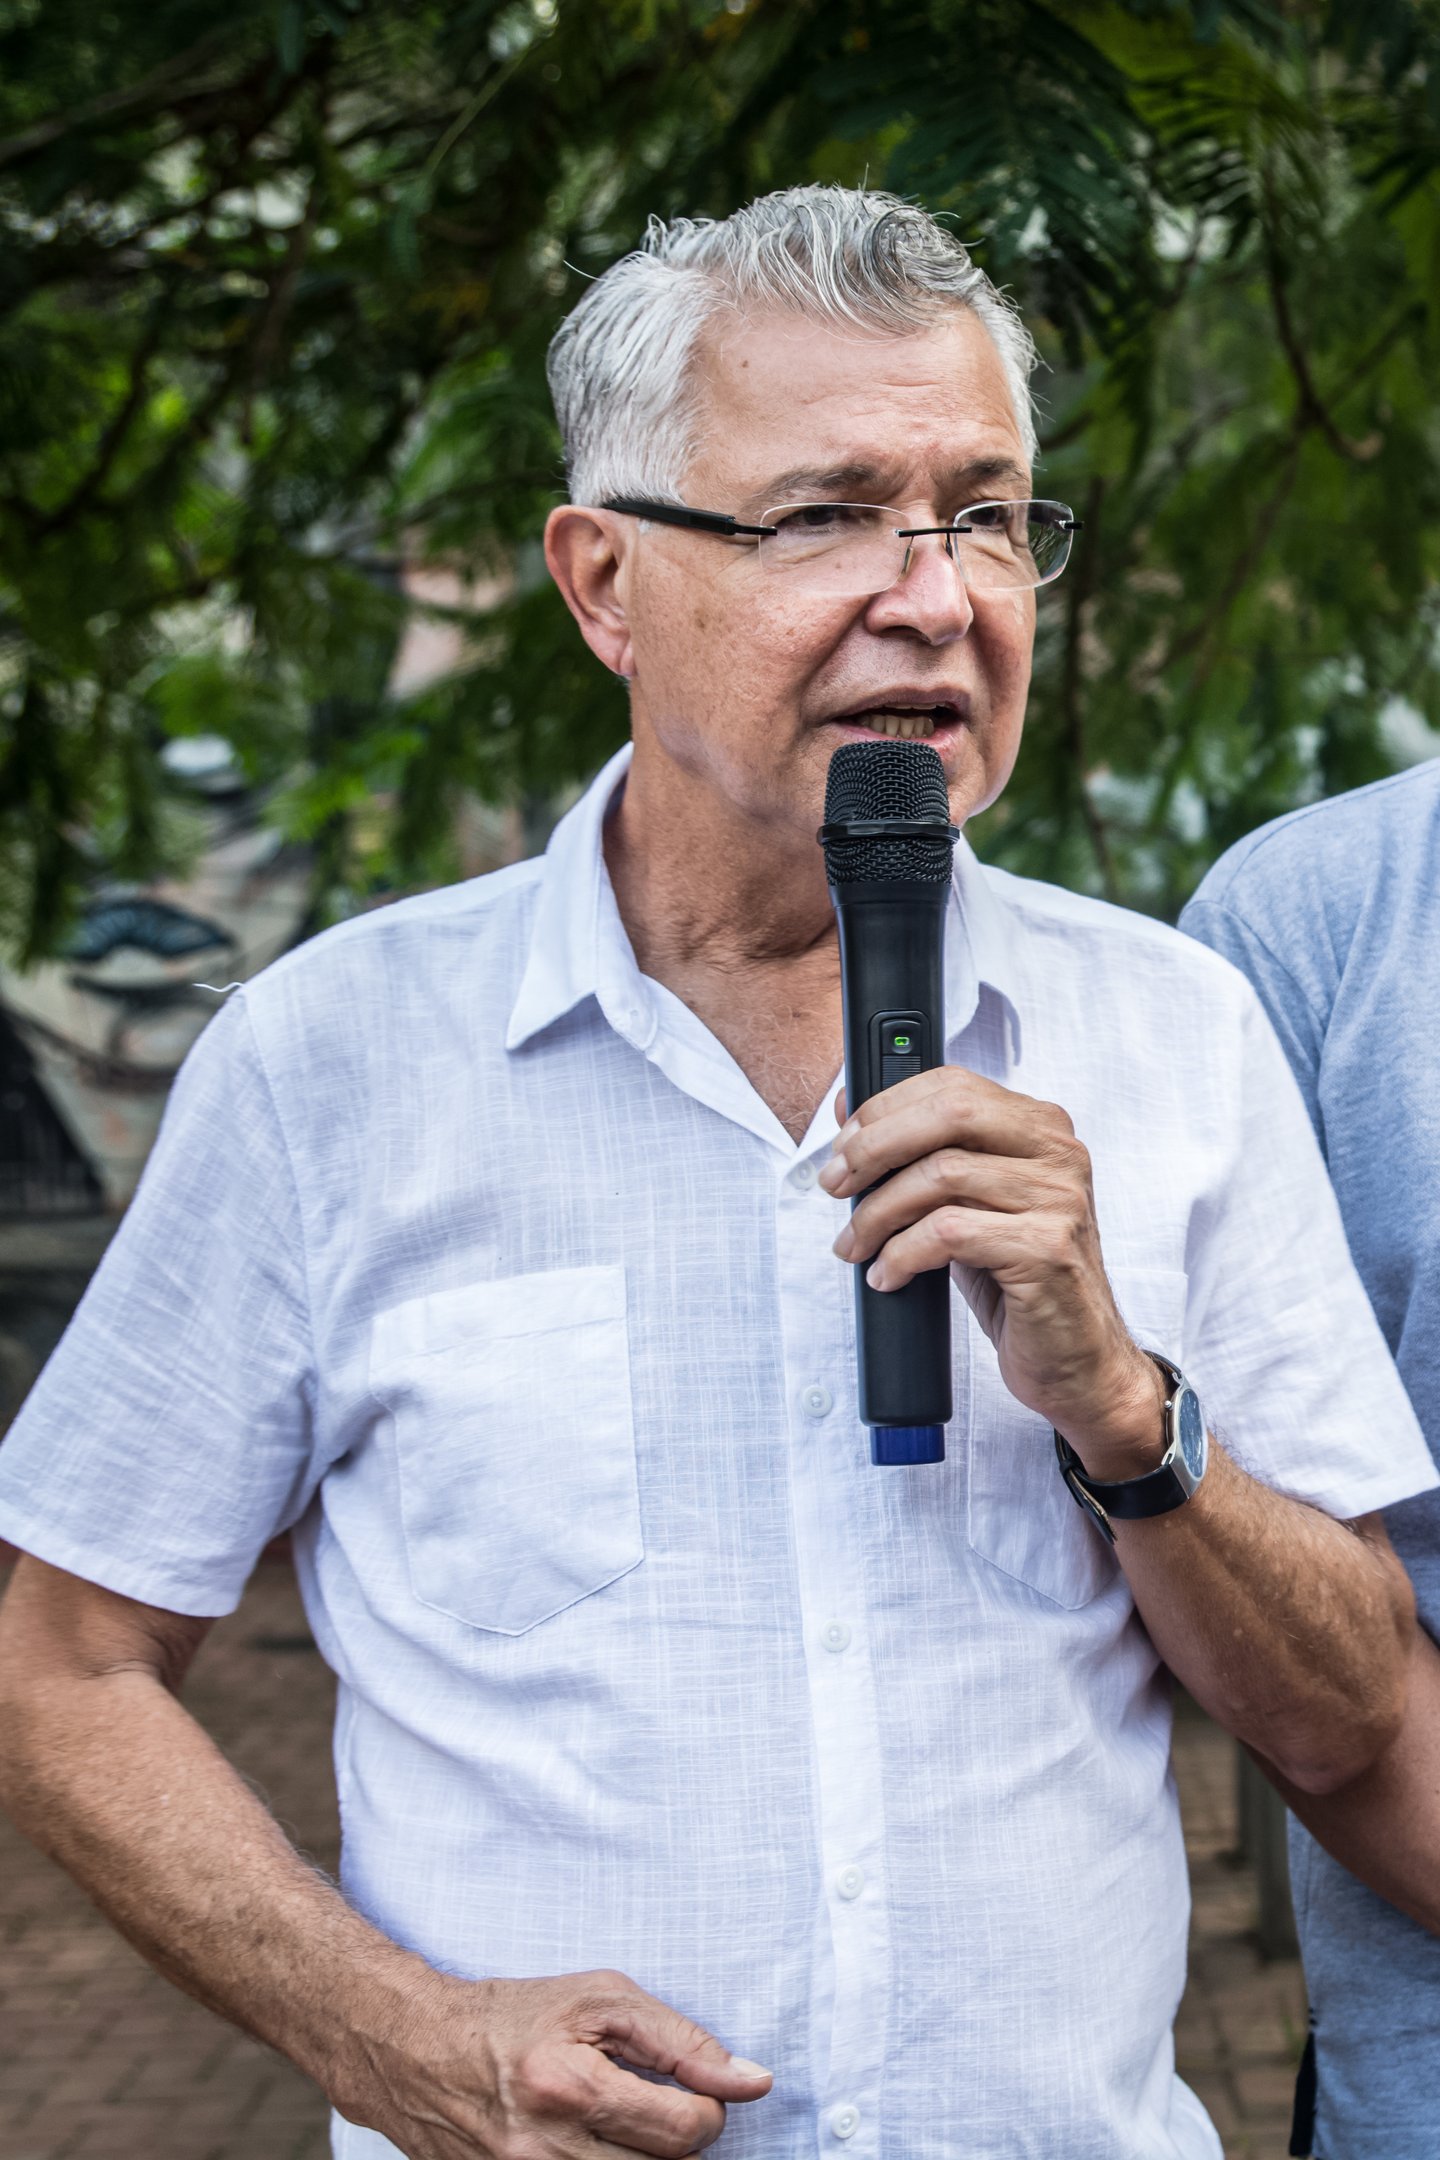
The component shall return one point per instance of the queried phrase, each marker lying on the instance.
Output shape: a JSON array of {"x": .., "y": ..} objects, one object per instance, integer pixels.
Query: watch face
[{"x": 1190, "y": 1427}]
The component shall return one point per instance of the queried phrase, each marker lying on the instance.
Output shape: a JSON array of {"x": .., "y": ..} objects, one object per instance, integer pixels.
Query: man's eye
[{"x": 818, "y": 518}]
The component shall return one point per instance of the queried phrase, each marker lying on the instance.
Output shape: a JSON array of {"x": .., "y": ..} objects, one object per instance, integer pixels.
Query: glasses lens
[
  {"x": 1012, "y": 544},
  {"x": 833, "y": 547},
  {"x": 852, "y": 548}
]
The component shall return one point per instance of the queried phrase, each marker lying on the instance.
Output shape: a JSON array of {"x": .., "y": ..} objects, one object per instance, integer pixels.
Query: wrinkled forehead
[{"x": 789, "y": 410}]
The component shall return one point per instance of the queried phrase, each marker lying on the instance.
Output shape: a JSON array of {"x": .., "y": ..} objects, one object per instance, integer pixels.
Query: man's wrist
[
  {"x": 379, "y": 1995},
  {"x": 1127, "y": 1438}
]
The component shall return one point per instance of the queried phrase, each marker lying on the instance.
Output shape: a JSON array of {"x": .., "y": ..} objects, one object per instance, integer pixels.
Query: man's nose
[{"x": 929, "y": 598}]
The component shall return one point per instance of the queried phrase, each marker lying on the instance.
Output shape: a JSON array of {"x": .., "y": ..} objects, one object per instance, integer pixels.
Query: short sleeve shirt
[{"x": 470, "y": 1253}]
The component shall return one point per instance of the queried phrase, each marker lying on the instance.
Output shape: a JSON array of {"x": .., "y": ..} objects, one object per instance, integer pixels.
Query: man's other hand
[
  {"x": 106, "y": 1770},
  {"x": 534, "y": 2070},
  {"x": 957, "y": 1170}
]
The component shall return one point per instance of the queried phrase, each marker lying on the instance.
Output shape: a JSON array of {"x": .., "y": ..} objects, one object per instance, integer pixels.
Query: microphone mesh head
[{"x": 888, "y": 780}]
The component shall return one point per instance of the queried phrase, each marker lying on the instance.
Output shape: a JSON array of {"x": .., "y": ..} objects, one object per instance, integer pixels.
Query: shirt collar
[
  {"x": 578, "y": 944},
  {"x": 579, "y": 947}
]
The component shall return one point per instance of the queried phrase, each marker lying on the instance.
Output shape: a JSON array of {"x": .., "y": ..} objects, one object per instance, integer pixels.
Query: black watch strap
[{"x": 1158, "y": 1491}]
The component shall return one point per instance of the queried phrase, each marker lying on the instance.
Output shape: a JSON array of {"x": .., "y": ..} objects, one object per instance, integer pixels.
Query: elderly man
[{"x": 500, "y": 1242}]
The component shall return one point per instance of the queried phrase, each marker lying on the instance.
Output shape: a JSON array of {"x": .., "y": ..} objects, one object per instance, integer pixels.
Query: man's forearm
[
  {"x": 1293, "y": 1630},
  {"x": 113, "y": 1778},
  {"x": 1384, "y": 1826},
  {"x": 106, "y": 1771}
]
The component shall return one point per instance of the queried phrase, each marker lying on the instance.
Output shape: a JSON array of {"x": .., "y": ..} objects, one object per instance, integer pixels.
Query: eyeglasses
[{"x": 841, "y": 550}]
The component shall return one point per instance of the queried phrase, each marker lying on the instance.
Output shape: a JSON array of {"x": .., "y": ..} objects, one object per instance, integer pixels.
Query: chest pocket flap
[{"x": 515, "y": 1446}]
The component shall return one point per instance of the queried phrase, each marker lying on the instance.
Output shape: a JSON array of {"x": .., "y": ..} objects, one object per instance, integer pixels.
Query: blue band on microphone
[{"x": 900, "y": 1444}]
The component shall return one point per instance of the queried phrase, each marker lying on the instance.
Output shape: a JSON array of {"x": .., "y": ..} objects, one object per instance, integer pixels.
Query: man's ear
[{"x": 589, "y": 567}]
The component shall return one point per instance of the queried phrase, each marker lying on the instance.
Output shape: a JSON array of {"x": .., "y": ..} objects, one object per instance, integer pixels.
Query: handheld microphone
[{"x": 889, "y": 846}]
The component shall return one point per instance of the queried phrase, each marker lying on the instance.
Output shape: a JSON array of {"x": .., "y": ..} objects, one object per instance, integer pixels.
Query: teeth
[{"x": 902, "y": 724}]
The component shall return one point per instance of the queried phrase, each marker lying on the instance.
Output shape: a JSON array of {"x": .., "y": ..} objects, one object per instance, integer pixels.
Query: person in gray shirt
[{"x": 1334, "y": 915}]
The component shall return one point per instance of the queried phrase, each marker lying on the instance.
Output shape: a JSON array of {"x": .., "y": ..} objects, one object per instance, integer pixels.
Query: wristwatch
[{"x": 1170, "y": 1485}]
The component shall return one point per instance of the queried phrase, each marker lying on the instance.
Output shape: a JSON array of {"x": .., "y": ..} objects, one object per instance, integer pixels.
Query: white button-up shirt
[{"x": 469, "y": 1252}]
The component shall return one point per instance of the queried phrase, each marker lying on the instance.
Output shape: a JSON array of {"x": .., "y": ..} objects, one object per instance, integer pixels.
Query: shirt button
[
  {"x": 802, "y": 1177},
  {"x": 835, "y": 1635},
  {"x": 850, "y": 1882},
  {"x": 845, "y": 2121},
  {"x": 816, "y": 1400}
]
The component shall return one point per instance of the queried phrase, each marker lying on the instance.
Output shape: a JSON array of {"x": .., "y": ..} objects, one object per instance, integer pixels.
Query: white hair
[{"x": 620, "y": 363}]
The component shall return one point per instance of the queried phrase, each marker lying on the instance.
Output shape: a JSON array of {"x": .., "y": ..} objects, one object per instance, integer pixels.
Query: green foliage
[{"x": 274, "y": 299}]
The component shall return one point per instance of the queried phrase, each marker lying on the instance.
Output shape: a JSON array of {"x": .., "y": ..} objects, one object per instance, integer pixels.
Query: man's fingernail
[
  {"x": 844, "y": 1244},
  {"x": 746, "y": 2068},
  {"x": 875, "y": 1276},
  {"x": 834, "y": 1173},
  {"x": 847, "y": 1132}
]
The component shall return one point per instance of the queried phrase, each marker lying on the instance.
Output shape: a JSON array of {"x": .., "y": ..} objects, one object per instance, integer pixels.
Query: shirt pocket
[
  {"x": 1020, "y": 1513},
  {"x": 515, "y": 1442}
]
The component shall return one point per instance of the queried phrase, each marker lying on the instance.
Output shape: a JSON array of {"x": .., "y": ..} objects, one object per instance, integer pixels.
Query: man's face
[{"x": 750, "y": 686}]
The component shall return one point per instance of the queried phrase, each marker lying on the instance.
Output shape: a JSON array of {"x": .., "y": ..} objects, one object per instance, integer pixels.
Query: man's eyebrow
[
  {"x": 982, "y": 472},
  {"x": 807, "y": 483}
]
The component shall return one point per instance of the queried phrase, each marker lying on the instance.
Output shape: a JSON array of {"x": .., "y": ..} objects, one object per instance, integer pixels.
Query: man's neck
[{"x": 743, "y": 934}]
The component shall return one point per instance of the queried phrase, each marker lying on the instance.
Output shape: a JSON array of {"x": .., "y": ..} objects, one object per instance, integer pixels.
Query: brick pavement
[
  {"x": 101, "y": 2060},
  {"x": 1242, "y": 2024}
]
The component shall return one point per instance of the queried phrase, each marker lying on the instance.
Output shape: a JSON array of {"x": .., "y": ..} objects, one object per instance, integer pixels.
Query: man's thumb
[
  {"x": 751, "y": 2072},
  {"x": 711, "y": 2069},
  {"x": 655, "y": 2037}
]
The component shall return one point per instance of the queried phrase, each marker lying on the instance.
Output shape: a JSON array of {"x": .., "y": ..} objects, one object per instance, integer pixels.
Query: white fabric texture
[{"x": 467, "y": 1251}]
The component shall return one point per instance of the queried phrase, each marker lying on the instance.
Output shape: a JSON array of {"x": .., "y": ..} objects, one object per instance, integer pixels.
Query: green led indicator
[{"x": 902, "y": 1042}]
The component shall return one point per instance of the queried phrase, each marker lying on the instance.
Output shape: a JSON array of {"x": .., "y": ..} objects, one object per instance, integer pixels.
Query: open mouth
[{"x": 902, "y": 723}]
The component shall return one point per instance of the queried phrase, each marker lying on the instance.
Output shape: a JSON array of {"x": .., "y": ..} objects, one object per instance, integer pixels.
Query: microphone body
[{"x": 888, "y": 850}]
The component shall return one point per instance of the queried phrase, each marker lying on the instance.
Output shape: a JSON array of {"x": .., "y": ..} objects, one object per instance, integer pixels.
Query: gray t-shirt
[{"x": 1334, "y": 915}]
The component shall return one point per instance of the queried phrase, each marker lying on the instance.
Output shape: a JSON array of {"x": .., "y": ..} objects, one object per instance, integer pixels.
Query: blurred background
[{"x": 276, "y": 642}]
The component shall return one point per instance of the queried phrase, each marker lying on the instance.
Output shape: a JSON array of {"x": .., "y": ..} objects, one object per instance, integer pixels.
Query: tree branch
[
  {"x": 1207, "y": 629},
  {"x": 130, "y": 101},
  {"x": 267, "y": 94},
  {"x": 112, "y": 441},
  {"x": 1072, "y": 689},
  {"x": 1312, "y": 409},
  {"x": 1370, "y": 359},
  {"x": 266, "y": 342},
  {"x": 1305, "y": 420}
]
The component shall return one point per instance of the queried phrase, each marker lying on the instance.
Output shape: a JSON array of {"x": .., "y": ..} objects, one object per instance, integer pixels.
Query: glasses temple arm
[{"x": 708, "y": 521}]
